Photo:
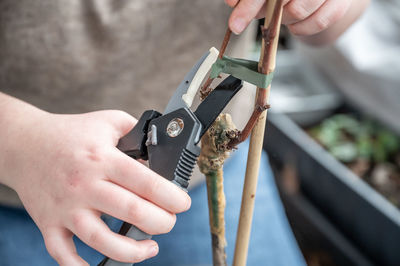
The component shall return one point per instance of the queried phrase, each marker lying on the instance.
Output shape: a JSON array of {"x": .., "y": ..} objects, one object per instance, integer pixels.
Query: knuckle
[
  {"x": 337, "y": 14},
  {"x": 94, "y": 154},
  {"x": 134, "y": 212},
  {"x": 321, "y": 23},
  {"x": 94, "y": 237},
  {"x": 170, "y": 225},
  {"x": 78, "y": 222},
  {"x": 154, "y": 187},
  {"x": 296, "y": 11}
]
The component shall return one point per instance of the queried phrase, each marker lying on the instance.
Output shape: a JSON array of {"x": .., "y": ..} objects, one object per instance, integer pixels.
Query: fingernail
[
  {"x": 238, "y": 25},
  {"x": 153, "y": 250}
]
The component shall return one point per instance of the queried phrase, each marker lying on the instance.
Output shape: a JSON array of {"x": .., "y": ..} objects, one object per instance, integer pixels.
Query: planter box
[{"x": 366, "y": 218}]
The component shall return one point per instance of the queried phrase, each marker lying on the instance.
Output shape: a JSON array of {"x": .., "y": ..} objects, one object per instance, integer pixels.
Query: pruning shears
[{"x": 176, "y": 133}]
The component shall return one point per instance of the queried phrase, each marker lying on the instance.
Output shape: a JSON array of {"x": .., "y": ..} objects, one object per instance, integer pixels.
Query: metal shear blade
[
  {"x": 187, "y": 90},
  {"x": 216, "y": 101},
  {"x": 176, "y": 102}
]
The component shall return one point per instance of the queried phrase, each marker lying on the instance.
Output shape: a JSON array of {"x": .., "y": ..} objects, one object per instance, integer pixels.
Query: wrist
[{"x": 17, "y": 119}]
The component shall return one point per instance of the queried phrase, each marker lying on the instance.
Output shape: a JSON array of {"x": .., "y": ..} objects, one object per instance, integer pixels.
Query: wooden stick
[{"x": 266, "y": 65}]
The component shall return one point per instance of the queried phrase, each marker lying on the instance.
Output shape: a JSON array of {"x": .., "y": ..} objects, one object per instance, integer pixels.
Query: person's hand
[
  {"x": 67, "y": 172},
  {"x": 302, "y": 17}
]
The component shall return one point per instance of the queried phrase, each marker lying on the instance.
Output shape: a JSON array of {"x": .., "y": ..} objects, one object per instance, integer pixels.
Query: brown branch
[
  {"x": 244, "y": 134},
  {"x": 205, "y": 90},
  {"x": 225, "y": 42},
  {"x": 268, "y": 35}
]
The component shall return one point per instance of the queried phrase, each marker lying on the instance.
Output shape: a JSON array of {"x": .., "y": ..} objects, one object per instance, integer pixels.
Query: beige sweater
[{"x": 84, "y": 55}]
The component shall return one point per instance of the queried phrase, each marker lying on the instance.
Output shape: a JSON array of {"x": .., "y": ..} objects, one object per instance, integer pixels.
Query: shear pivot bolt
[{"x": 175, "y": 127}]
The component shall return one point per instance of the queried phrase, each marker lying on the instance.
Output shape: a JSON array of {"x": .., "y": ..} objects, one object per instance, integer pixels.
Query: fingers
[
  {"x": 61, "y": 247},
  {"x": 126, "y": 206},
  {"x": 243, "y": 14},
  {"x": 329, "y": 13},
  {"x": 298, "y": 10},
  {"x": 303, "y": 17},
  {"x": 146, "y": 183},
  {"x": 95, "y": 233}
]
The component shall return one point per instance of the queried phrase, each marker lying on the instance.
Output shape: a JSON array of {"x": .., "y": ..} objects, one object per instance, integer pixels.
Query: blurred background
[{"x": 333, "y": 140}]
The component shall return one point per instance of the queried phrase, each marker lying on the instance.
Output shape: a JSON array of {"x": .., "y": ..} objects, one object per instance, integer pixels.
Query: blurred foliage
[
  {"x": 371, "y": 151},
  {"x": 348, "y": 138}
]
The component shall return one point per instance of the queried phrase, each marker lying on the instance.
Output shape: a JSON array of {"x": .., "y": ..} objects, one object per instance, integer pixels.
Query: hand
[
  {"x": 302, "y": 17},
  {"x": 67, "y": 172}
]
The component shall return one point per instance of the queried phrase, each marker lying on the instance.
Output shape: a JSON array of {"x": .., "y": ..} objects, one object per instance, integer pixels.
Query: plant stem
[
  {"x": 205, "y": 90},
  {"x": 214, "y": 151}
]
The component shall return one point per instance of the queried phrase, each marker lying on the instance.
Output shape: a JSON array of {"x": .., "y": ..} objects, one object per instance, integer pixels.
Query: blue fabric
[{"x": 189, "y": 243}]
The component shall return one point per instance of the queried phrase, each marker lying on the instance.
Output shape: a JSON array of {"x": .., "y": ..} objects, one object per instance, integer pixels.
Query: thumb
[
  {"x": 243, "y": 14},
  {"x": 120, "y": 120}
]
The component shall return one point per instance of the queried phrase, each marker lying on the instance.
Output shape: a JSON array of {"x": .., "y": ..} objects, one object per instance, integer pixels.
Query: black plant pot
[{"x": 363, "y": 215}]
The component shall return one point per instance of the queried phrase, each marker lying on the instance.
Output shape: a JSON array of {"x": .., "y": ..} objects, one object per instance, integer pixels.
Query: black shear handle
[{"x": 134, "y": 145}]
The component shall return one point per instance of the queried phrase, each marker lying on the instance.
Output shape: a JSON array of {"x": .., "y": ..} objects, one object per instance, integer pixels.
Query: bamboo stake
[
  {"x": 214, "y": 151},
  {"x": 266, "y": 65}
]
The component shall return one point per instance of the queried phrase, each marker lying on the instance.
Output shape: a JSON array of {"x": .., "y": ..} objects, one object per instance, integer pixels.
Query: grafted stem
[{"x": 214, "y": 151}]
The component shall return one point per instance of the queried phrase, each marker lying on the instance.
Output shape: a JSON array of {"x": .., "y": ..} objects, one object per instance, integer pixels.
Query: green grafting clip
[{"x": 242, "y": 69}]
